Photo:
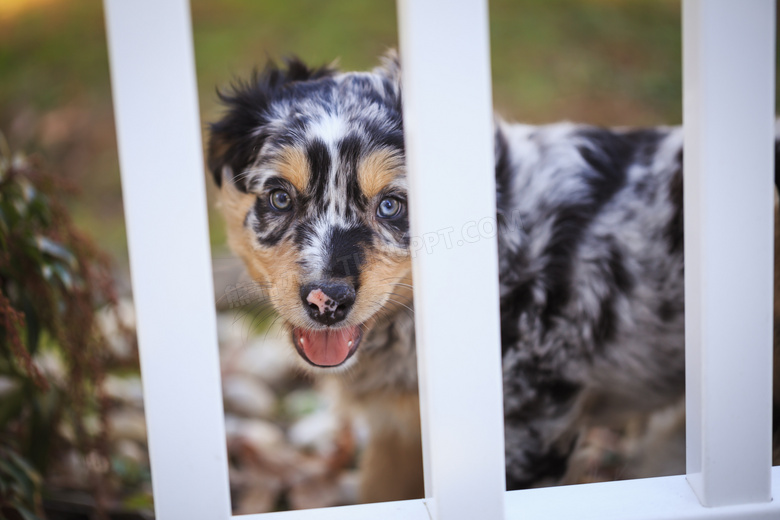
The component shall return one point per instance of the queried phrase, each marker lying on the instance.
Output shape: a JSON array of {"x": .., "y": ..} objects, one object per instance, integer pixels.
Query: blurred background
[{"x": 72, "y": 435}]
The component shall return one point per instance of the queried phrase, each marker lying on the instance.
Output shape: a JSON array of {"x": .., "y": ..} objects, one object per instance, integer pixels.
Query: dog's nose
[{"x": 328, "y": 302}]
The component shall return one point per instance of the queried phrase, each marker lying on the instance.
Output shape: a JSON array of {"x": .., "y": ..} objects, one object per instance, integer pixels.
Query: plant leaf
[
  {"x": 56, "y": 250},
  {"x": 26, "y": 485}
]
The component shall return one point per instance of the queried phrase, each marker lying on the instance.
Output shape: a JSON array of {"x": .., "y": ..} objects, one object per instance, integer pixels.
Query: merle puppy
[{"x": 313, "y": 187}]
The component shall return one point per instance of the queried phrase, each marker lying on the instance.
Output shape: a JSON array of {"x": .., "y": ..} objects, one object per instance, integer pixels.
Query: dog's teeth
[{"x": 349, "y": 343}]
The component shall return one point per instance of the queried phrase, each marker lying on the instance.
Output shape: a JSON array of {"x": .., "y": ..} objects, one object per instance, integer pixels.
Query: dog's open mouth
[{"x": 327, "y": 347}]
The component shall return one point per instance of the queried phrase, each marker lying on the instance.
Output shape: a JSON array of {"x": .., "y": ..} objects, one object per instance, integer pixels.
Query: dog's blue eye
[
  {"x": 281, "y": 200},
  {"x": 389, "y": 208}
]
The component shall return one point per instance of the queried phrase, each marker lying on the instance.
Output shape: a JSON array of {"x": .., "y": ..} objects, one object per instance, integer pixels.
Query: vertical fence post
[
  {"x": 158, "y": 131},
  {"x": 449, "y": 147},
  {"x": 729, "y": 110}
]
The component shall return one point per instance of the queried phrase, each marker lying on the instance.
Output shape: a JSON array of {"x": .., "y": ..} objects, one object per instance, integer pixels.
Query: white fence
[{"x": 729, "y": 120}]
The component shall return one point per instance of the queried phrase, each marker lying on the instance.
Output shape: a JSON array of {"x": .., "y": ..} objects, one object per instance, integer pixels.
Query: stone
[{"x": 247, "y": 396}]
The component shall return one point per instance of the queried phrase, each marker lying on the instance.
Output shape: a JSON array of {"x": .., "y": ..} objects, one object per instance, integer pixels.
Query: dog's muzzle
[{"x": 327, "y": 303}]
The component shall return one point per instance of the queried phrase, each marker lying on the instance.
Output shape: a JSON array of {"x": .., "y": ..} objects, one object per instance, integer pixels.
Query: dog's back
[{"x": 591, "y": 265}]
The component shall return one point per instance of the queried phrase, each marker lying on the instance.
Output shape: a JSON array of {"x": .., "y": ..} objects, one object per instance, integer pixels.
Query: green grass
[
  {"x": 603, "y": 62},
  {"x": 607, "y": 62}
]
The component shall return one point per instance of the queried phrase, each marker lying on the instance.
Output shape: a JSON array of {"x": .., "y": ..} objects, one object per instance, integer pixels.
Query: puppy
[{"x": 310, "y": 162}]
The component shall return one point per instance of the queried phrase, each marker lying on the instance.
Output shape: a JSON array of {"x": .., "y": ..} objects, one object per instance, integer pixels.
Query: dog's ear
[
  {"x": 390, "y": 66},
  {"x": 236, "y": 139},
  {"x": 390, "y": 70}
]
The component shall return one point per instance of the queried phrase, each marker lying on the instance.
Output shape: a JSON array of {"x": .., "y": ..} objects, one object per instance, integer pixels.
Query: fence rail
[{"x": 729, "y": 107}]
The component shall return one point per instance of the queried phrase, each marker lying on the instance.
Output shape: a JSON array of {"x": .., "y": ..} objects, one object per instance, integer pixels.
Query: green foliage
[
  {"x": 19, "y": 486},
  {"x": 53, "y": 356}
]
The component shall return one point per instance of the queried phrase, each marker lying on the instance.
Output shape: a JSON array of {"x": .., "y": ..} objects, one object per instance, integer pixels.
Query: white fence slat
[
  {"x": 400, "y": 510},
  {"x": 448, "y": 123},
  {"x": 663, "y": 498},
  {"x": 729, "y": 155},
  {"x": 159, "y": 137}
]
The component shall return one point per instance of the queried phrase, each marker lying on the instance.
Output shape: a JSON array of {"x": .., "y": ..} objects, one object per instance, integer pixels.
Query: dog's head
[{"x": 310, "y": 163}]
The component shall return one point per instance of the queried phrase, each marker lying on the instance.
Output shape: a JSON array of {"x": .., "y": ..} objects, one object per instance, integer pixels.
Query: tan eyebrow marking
[
  {"x": 294, "y": 167},
  {"x": 378, "y": 170}
]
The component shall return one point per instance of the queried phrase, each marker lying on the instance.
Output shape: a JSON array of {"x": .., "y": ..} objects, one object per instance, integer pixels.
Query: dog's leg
[
  {"x": 391, "y": 466},
  {"x": 532, "y": 460},
  {"x": 541, "y": 411}
]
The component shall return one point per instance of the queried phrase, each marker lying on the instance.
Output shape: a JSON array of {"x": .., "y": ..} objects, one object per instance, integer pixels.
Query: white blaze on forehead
[{"x": 330, "y": 129}]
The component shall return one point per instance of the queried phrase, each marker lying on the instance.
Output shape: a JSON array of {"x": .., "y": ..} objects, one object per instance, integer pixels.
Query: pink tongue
[{"x": 326, "y": 348}]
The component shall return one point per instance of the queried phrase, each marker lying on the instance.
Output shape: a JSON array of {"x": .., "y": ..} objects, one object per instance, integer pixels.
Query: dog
[{"x": 310, "y": 165}]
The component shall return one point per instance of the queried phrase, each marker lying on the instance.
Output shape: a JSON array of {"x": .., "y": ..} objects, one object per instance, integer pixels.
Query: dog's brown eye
[
  {"x": 389, "y": 208},
  {"x": 281, "y": 200}
]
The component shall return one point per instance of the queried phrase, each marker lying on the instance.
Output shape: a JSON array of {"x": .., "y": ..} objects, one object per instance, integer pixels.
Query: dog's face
[{"x": 313, "y": 188}]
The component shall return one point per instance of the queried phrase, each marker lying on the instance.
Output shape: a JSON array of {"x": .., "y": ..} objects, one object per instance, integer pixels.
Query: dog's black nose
[{"x": 328, "y": 302}]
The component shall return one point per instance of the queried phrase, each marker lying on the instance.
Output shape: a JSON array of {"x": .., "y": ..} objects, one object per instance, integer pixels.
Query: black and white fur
[
  {"x": 592, "y": 295},
  {"x": 592, "y": 306}
]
